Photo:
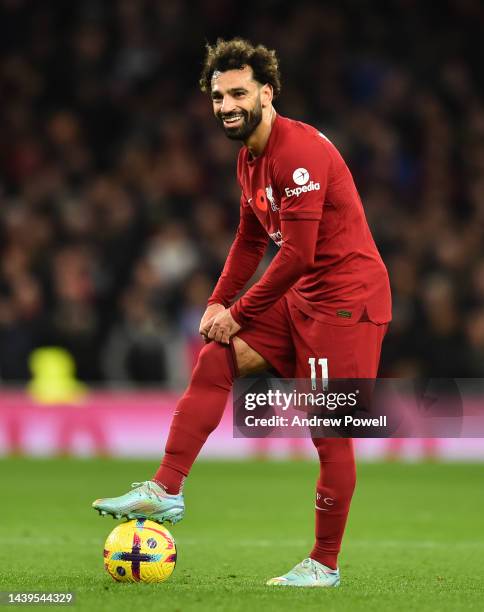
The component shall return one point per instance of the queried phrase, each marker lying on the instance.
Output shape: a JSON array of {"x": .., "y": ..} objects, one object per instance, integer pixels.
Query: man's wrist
[
  {"x": 238, "y": 315},
  {"x": 218, "y": 301}
]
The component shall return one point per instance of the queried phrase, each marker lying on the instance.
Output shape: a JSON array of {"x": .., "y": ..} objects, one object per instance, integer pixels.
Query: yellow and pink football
[{"x": 140, "y": 551}]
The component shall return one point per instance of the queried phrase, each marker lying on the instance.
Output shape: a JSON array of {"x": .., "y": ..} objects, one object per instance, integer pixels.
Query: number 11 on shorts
[{"x": 323, "y": 362}]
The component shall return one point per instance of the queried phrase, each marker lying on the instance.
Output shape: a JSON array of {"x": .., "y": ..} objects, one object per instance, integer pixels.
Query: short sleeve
[{"x": 301, "y": 176}]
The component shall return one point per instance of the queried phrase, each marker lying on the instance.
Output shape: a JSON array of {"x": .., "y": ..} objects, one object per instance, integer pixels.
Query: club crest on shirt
[{"x": 270, "y": 197}]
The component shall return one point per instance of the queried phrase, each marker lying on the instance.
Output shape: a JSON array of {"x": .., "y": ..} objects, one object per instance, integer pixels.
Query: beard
[{"x": 250, "y": 121}]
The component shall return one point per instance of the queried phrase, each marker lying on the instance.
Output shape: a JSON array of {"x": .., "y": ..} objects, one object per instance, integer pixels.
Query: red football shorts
[{"x": 289, "y": 340}]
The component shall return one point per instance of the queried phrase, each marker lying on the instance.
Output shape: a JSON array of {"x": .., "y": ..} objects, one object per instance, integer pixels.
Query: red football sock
[
  {"x": 334, "y": 490},
  {"x": 198, "y": 413}
]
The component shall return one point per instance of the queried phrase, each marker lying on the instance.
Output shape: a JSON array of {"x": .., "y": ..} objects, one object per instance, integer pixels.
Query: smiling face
[{"x": 238, "y": 101}]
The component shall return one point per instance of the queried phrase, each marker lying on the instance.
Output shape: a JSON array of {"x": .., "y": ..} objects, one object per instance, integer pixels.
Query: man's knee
[
  {"x": 215, "y": 364},
  {"x": 240, "y": 358},
  {"x": 248, "y": 360}
]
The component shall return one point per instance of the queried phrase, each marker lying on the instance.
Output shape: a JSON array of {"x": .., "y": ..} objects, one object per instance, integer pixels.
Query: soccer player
[{"x": 325, "y": 295}]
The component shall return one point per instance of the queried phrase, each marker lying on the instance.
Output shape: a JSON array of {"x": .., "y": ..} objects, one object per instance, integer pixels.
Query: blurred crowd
[{"x": 118, "y": 196}]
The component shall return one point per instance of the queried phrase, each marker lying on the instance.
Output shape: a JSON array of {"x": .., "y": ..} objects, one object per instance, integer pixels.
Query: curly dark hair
[{"x": 237, "y": 53}]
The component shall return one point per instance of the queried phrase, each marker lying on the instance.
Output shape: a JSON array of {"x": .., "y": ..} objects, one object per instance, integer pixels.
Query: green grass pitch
[{"x": 415, "y": 538}]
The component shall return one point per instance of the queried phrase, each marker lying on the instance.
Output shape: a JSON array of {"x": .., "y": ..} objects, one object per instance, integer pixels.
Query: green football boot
[
  {"x": 147, "y": 500},
  {"x": 308, "y": 573}
]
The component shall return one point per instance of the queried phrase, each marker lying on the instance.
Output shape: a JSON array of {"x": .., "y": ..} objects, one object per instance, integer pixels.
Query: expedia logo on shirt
[{"x": 298, "y": 190}]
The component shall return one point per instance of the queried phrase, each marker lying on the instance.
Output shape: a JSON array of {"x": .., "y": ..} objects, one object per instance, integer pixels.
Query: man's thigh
[
  {"x": 351, "y": 351},
  {"x": 270, "y": 336}
]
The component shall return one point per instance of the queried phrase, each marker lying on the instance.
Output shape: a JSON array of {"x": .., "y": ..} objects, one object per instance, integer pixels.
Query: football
[{"x": 140, "y": 551}]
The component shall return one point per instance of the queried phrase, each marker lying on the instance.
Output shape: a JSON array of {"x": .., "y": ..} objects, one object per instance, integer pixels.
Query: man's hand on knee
[
  {"x": 223, "y": 327},
  {"x": 208, "y": 317}
]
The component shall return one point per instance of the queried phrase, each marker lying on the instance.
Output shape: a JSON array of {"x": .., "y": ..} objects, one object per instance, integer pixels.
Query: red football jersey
[{"x": 300, "y": 176}]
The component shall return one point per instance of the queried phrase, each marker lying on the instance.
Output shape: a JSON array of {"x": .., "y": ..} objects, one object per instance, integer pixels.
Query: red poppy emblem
[{"x": 261, "y": 200}]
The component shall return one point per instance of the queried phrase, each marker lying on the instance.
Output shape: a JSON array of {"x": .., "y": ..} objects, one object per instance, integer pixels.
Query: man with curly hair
[{"x": 324, "y": 299}]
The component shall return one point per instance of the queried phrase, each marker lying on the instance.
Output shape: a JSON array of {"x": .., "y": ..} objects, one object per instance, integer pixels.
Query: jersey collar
[{"x": 252, "y": 161}]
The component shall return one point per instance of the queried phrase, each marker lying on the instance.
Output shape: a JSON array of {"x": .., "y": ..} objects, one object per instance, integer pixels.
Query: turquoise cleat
[
  {"x": 147, "y": 500},
  {"x": 308, "y": 573}
]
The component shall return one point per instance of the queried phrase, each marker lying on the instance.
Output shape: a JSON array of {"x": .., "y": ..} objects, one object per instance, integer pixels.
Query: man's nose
[{"x": 227, "y": 105}]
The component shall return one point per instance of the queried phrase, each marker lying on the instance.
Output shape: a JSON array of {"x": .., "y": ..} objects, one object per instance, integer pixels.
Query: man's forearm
[
  {"x": 293, "y": 260},
  {"x": 241, "y": 264}
]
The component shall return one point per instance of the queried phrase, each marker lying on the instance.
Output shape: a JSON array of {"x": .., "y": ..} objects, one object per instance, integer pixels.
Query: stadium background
[
  {"x": 118, "y": 202},
  {"x": 118, "y": 198}
]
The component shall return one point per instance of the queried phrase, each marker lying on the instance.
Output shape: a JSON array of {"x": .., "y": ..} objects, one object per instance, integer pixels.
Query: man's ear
[{"x": 266, "y": 95}]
